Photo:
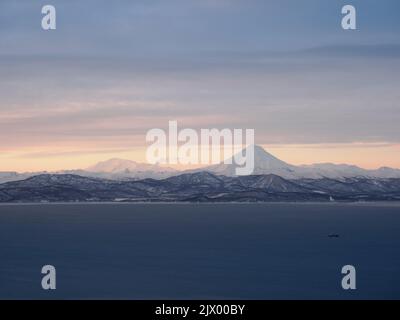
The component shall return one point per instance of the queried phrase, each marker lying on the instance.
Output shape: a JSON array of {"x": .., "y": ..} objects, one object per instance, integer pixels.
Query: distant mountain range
[
  {"x": 264, "y": 162},
  {"x": 197, "y": 187},
  {"x": 272, "y": 180}
]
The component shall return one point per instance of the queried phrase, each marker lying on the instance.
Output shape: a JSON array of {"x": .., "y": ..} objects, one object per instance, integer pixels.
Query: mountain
[
  {"x": 7, "y": 176},
  {"x": 121, "y": 165},
  {"x": 331, "y": 170},
  {"x": 120, "y": 168},
  {"x": 197, "y": 187},
  {"x": 385, "y": 172},
  {"x": 266, "y": 163}
]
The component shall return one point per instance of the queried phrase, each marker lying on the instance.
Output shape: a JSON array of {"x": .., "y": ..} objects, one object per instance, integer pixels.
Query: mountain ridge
[{"x": 196, "y": 187}]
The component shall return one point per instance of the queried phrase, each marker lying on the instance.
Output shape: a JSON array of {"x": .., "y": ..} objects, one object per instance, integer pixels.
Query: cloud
[
  {"x": 309, "y": 97},
  {"x": 109, "y": 74}
]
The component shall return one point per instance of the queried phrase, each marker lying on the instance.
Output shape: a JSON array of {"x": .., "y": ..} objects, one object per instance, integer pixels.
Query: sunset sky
[{"x": 91, "y": 89}]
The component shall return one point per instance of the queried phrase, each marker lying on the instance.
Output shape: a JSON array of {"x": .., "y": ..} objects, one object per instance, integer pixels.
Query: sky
[{"x": 91, "y": 89}]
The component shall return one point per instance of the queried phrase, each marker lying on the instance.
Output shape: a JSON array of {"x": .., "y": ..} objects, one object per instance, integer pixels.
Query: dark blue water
[{"x": 222, "y": 251}]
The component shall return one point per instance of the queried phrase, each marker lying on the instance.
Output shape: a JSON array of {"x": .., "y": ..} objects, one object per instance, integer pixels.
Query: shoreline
[{"x": 334, "y": 203}]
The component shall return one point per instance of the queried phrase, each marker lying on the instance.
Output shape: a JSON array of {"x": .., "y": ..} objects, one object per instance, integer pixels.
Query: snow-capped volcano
[{"x": 264, "y": 163}]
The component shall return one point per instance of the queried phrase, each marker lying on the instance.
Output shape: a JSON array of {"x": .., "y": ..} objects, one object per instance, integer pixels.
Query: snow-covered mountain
[
  {"x": 121, "y": 168},
  {"x": 330, "y": 170},
  {"x": 385, "y": 172},
  {"x": 265, "y": 163},
  {"x": 119, "y": 165},
  {"x": 7, "y": 176}
]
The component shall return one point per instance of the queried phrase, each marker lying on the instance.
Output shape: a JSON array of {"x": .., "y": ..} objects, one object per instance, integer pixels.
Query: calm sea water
[{"x": 214, "y": 251}]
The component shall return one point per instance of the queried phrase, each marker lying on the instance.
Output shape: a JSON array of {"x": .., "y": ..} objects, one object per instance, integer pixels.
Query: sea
[{"x": 200, "y": 251}]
